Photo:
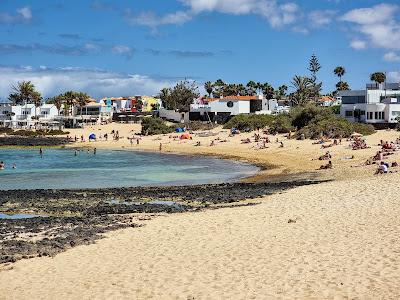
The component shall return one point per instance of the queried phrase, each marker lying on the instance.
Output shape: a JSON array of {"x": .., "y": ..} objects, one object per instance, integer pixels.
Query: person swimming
[
  {"x": 2, "y": 165},
  {"x": 14, "y": 166}
]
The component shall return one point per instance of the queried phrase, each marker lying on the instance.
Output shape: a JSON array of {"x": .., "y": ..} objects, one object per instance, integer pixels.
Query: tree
[
  {"x": 342, "y": 86},
  {"x": 280, "y": 94},
  {"x": 251, "y": 88},
  {"x": 81, "y": 99},
  {"x": 208, "y": 86},
  {"x": 58, "y": 101},
  {"x": 314, "y": 67},
  {"x": 24, "y": 92},
  {"x": 339, "y": 71},
  {"x": 230, "y": 90},
  {"x": 164, "y": 95},
  {"x": 304, "y": 88},
  {"x": 268, "y": 91},
  {"x": 219, "y": 87},
  {"x": 241, "y": 89},
  {"x": 72, "y": 98},
  {"x": 378, "y": 77},
  {"x": 182, "y": 95}
]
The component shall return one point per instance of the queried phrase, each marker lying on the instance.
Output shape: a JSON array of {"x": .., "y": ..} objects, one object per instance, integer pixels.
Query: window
[
  {"x": 349, "y": 113},
  {"x": 353, "y": 99},
  {"x": 383, "y": 115},
  {"x": 370, "y": 115},
  {"x": 45, "y": 112},
  {"x": 376, "y": 115},
  {"x": 26, "y": 112},
  {"x": 229, "y": 104}
]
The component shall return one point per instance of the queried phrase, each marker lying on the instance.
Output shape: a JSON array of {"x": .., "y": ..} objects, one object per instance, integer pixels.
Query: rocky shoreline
[
  {"x": 26, "y": 141},
  {"x": 75, "y": 217}
]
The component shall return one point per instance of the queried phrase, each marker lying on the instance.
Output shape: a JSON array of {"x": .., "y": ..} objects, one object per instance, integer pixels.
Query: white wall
[
  {"x": 174, "y": 115},
  {"x": 239, "y": 107}
]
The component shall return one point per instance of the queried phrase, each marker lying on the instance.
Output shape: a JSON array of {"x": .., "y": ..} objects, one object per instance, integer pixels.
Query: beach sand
[
  {"x": 343, "y": 243},
  {"x": 335, "y": 240}
]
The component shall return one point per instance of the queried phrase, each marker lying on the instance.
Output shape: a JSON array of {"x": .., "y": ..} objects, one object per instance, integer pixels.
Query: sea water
[{"x": 61, "y": 169}]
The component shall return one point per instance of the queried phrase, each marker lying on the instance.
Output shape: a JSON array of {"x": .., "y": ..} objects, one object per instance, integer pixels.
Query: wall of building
[{"x": 238, "y": 107}]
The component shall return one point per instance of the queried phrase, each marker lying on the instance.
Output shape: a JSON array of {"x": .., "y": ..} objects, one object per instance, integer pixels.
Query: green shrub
[
  {"x": 249, "y": 122},
  {"x": 196, "y": 125},
  {"x": 364, "y": 129},
  {"x": 334, "y": 127},
  {"x": 282, "y": 124},
  {"x": 152, "y": 126},
  {"x": 302, "y": 116}
]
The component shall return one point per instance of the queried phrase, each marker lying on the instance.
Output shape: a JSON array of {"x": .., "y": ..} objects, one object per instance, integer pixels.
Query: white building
[
  {"x": 377, "y": 104},
  {"x": 220, "y": 109},
  {"x": 27, "y": 116}
]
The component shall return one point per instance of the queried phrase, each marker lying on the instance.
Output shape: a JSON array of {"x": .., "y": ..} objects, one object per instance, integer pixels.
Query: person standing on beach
[
  {"x": 160, "y": 147},
  {"x": 94, "y": 151},
  {"x": 137, "y": 141}
]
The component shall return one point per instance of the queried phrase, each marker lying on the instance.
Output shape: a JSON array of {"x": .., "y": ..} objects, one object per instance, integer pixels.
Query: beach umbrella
[{"x": 92, "y": 136}]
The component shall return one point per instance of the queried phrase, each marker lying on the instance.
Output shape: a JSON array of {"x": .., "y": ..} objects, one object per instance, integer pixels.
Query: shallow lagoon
[{"x": 61, "y": 169}]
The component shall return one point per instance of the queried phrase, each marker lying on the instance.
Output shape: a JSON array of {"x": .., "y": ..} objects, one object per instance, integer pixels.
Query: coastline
[{"x": 293, "y": 243}]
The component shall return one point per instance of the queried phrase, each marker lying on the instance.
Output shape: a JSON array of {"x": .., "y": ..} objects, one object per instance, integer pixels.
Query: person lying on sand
[
  {"x": 197, "y": 144},
  {"x": 327, "y": 166},
  {"x": 326, "y": 156},
  {"x": 327, "y": 146},
  {"x": 246, "y": 141}
]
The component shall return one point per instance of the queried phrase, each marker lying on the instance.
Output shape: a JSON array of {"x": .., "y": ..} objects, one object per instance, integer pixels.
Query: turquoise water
[
  {"x": 18, "y": 216},
  {"x": 61, "y": 169}
]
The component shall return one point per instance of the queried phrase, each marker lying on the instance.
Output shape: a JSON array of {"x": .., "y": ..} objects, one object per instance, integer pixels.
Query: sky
[{"x": 120, "y": 48}]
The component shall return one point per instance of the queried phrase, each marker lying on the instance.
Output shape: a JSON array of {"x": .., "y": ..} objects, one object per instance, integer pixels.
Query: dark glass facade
[{"x": 353, "y": 99}]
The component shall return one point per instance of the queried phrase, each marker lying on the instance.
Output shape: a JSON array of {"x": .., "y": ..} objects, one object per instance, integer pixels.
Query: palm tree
[
  {"x": 58, "y": 101},
  {"x": 339, "y": 71},
  {"x": 280, "y": 94},
  {"x": 219, "y": 86},
  {"x": 304, "y": 87},
  {"x": 268, "y": 91},
  {"x": 378, "y": 77},
  {"x": 252, "y": 87},
  {"x": 82, "y": 99},
  {"x": 208, "y": 86},
  {"x": 24, "y": 92},
  {"x": 241, "y": 90},
  {"x": 342, "y": 86}
]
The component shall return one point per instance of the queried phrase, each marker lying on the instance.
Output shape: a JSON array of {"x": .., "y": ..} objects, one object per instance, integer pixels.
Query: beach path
[{"x": 333, "y": 240}]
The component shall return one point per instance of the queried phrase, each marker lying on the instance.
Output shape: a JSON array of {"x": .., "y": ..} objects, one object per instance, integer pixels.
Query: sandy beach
[
  {"x": 342, "y": 244},
  {"x": 335, "y": 240}
]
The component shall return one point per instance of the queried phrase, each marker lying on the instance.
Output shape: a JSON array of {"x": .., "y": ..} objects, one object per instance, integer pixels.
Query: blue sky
[{"x": 113, "y": 48}]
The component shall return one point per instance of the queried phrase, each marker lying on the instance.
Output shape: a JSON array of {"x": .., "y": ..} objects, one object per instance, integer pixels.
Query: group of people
[{"x": 3, "y": 165}]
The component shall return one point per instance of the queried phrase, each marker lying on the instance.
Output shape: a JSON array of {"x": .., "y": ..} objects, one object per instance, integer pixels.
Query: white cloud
[
  {"x": 358, "y": 44},
  {"x": 97, "y": 83},
  {"x": 372, "y": 15},
  {"x": 22, "y": 15},
  {"x": 25, "y": 12},
  {"x": 391, "y": 57},
  {"x": 123, "y": 50},
  {"x": 277, "y": 15},
  {"x": 321, "y": 18},
  {"x": 152, "y": 20},
  {"x": 377, "y": 25}
]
